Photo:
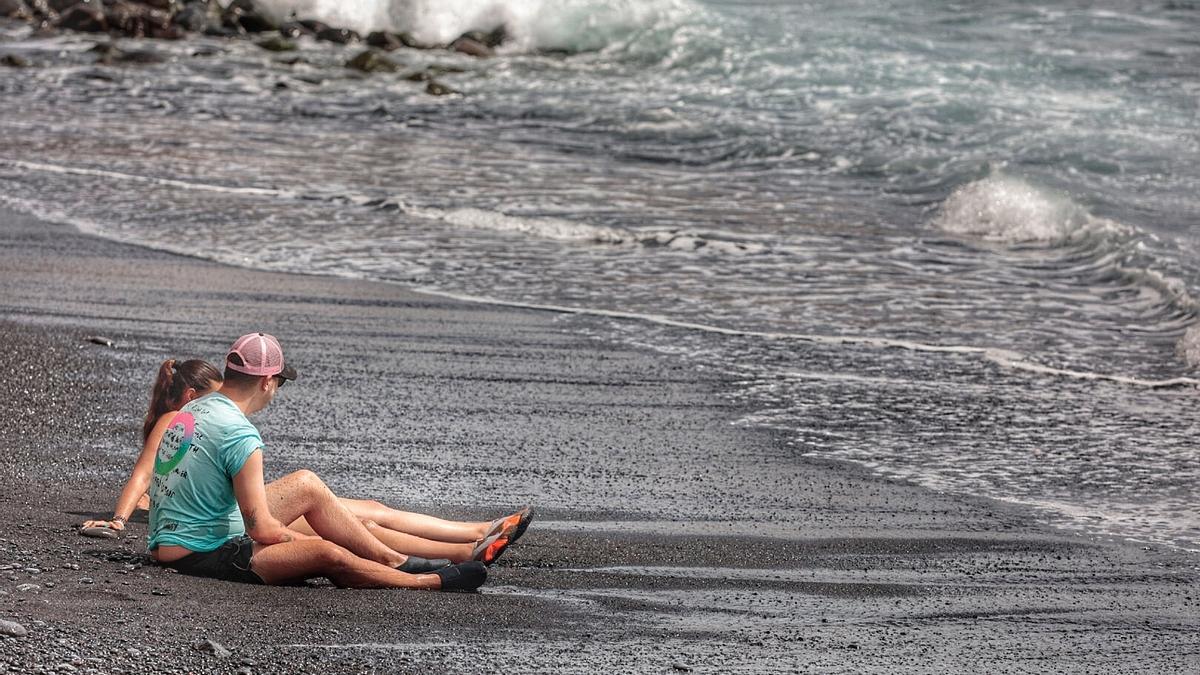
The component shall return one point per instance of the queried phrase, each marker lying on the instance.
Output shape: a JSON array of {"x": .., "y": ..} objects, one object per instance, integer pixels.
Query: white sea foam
[
  {"x": 576, "y": 25},
  {"x": 549, "y": 228},
  {"x": 1005, "y": 209},
  {"x": 1188, "y": 346}
]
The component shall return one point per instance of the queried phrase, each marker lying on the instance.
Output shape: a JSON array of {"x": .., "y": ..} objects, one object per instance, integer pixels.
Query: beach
[{"x": 667, "y": 538}]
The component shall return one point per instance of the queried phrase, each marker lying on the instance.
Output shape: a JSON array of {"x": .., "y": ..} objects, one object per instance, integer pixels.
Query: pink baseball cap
[{"x": 259, "y": 354}]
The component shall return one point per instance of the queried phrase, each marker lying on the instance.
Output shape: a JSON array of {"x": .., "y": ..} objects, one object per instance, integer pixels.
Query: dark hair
[
  {"x": 172, "y": 381},
  {"x": 236, "y": 376}
]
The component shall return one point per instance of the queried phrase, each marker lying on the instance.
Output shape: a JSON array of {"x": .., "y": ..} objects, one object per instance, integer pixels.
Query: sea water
[{"x": 953, "y": 242}]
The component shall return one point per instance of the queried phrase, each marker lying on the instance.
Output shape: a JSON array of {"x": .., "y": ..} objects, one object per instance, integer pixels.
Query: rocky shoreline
[{"x": 239, "y": 20}]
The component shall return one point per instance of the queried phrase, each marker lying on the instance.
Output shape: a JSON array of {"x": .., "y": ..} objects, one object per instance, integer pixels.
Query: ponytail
[{"x": 171, "y": 383}]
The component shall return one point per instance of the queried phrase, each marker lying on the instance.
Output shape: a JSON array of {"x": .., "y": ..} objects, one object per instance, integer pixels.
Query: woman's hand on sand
[{"x": 111, "y": 524}]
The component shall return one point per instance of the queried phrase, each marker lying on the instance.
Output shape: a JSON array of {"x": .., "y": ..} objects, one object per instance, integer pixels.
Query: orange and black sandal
[
  {"x": 490, "y": 548},
  {"x": 514, "y": 525}
]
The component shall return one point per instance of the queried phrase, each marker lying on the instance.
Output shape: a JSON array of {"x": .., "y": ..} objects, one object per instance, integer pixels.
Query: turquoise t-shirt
[{"x": 191, "y": 495}]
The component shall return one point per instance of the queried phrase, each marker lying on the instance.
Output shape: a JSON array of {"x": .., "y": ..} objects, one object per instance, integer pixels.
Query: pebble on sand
[
  {"x": 12, "y": 628},
  {"x": 212, "y": 647}
]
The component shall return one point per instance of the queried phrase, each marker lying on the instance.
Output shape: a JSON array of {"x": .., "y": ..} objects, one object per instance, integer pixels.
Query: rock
[
  {"x": 12, "y": 628},
  {"x": 341, "y": 36},
  {"x": 197, "y": 17},
  {"x": 293, "y": 29},
  {"x": 62, "y": 5},
  {"x": 313, "y": 27},
  {"x": 435, "y": 88},
  {"x": 135, "y": 20},
  {"x": 393, "y": 41},
  {"x": 244, "y": 15},
  {"x": 84, "y": 17},
  {"x": 86, "y": 580},
  {"x": 212, "y": 647},
  {"x": 471, "y": 47},
  {"x": 13, "y": 61},
  {"x": 100, "y": 339},
  {"x": 42, "y": 10},
  {"x": 134, "y": 653},
  {"x": 32, "y": 570},
  {"x": 276, "y": 43},
  {"x": 29, "y": 588},
  {"x": 384, "y": 40},
  {"x": 15, "y": 9},
  {"x": 370, "y": 62},
  {"x": 494, "y": 38}
]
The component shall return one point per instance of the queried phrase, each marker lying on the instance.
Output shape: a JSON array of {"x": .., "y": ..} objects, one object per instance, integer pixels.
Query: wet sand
[{"x": 669, "y": 539}]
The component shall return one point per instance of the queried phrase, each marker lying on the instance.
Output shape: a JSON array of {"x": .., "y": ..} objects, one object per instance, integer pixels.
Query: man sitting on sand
[{"x": 209, "y": 514}]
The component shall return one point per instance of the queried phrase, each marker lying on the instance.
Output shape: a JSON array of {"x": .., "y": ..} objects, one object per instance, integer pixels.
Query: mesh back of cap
[{"x": 260, "y": 353}]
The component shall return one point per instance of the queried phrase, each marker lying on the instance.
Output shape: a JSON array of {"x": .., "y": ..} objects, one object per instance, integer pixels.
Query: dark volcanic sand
[{"x": 668, "y": 539}]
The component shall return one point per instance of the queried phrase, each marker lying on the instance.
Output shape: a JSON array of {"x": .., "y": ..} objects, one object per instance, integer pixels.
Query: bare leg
[
  {"x": 417, "y": 524},
  {"x": 297, "y": 560},
  {"x": 404, "y": 543},
  {"x": 303, "y": 494}
]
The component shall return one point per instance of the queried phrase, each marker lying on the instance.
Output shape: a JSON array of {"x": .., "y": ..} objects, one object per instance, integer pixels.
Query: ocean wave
[
  {"x": 557, "y": 229},
  {"x": 1010, "y": 211},
  {"x": 531, "y": 25},
  {"x": 561, "y": 229}
]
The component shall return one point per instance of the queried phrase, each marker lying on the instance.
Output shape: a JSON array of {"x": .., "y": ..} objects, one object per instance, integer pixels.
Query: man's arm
[{"x": 251, "y": 497}]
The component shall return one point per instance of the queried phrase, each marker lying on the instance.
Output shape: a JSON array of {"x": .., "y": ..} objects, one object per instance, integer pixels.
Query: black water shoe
[
  {"x": 418, "y": 565},
  {"x": 462, "y": 577}
]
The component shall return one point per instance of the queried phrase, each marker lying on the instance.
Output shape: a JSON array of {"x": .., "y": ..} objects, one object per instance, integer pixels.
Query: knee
[
  {"x": 306, "y": 480},
  {"x": 334, "y": 557}
]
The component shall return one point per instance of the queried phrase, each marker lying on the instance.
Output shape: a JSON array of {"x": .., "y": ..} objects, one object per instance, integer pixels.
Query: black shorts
[{"x": 230, "y": 562}]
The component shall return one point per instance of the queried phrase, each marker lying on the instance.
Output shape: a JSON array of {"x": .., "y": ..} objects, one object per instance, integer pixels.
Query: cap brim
[{"x": 288, "y": 373}]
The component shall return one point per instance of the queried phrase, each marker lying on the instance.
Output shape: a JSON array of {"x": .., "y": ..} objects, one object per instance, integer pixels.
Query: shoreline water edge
[{"x": 669, "y": 540}]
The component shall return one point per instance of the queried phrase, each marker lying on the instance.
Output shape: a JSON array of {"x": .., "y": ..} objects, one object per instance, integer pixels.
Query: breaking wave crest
[
  {"x": 568, "y": 25},
  {"x": 1008, "y": 210}
]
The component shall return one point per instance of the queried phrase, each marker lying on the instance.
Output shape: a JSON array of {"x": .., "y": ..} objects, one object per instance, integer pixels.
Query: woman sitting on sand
[{"x": 411, "y": 534}]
